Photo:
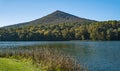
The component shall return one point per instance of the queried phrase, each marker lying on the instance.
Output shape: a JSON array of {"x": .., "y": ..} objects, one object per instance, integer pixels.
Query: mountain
[
  {"x": 56, "y": 17},
  {"x": 61, "y": 26}
]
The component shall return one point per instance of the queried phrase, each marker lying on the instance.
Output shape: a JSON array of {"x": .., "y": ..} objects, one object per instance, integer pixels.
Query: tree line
[{"x": 107, "y": 30}]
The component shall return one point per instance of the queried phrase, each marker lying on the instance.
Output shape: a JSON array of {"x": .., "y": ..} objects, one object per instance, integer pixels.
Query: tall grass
[{"x": 48, "y": 59}]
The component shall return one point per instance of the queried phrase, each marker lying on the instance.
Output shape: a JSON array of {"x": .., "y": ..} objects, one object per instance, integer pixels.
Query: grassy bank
[
  {"x": 16, "y": 65},
  {"x": 44, "y": 58}
]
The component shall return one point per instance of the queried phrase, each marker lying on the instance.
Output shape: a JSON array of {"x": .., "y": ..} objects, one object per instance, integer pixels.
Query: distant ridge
[{"x": 56, "y": 17}]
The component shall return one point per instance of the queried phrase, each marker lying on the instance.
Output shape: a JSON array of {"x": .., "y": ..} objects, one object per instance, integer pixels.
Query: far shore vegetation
[{"x": 107, "y": 30}]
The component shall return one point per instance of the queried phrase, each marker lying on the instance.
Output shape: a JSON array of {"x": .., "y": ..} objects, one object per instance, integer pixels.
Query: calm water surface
[{"x": 97, "y": 56}]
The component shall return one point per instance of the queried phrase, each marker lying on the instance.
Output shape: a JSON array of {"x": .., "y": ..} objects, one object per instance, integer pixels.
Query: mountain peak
[
  {"x": 58, "y": 11},
  {"x": 57, "y": 17},
  {"x": 60, "y": 14}
]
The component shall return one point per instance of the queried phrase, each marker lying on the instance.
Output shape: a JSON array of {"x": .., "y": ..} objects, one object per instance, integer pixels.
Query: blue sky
[{"x": 18, "y": 11}]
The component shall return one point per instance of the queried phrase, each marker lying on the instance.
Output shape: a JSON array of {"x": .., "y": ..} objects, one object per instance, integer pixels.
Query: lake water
[{"x": 97, "y": 56}]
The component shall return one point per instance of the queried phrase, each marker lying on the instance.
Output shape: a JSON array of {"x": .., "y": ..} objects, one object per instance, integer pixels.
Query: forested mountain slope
[
  {"x": 59, "y": 26},
  {"x": 57, "y": 17}
]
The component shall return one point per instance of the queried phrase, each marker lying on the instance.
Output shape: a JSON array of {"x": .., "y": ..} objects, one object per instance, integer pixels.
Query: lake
[{"x": 95, "y": 55}]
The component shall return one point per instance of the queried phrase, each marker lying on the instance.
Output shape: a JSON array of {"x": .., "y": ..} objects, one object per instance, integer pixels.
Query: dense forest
[{"x": 107, "y": 30}]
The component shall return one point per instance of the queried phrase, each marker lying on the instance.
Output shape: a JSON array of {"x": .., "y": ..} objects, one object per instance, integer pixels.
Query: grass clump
[{"x": 46, "y": 59}]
